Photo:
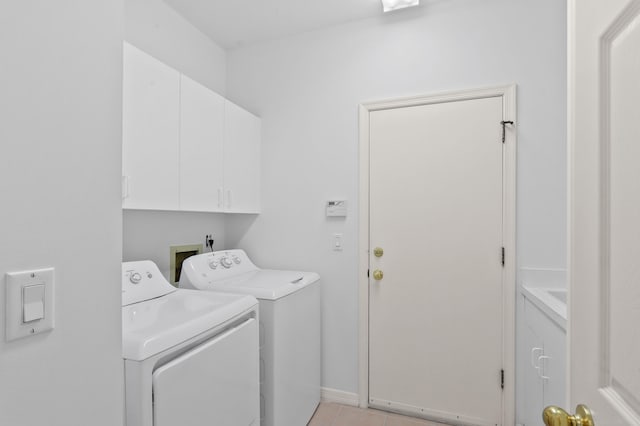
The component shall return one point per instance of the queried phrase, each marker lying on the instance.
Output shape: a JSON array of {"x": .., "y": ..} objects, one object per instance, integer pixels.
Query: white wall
[
  {"x": 149, "y": 234},
  {"x": 157, "y": 29},
  {"x": 307, "y": 89},
  {"x": 60, "y": 161}
]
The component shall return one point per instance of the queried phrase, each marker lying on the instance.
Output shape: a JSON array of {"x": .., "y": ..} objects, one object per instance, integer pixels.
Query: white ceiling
[{"x": 233, "y": 23}]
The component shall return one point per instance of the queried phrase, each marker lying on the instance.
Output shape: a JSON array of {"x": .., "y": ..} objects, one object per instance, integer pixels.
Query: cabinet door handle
[
  {"x": 541, "y": 363},
  {"x": 219, "y": 197},
  {"x": 535, "y": 353}
]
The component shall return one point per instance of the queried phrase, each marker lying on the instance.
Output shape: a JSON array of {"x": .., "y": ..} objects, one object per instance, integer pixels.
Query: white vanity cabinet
[
  {"x": 544, "y": 368},
  {"x": 185, "y": 148}
]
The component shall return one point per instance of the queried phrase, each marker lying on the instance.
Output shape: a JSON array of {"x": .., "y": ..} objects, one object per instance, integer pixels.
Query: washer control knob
[
  {"x": 135, "y": 278},
  {"x": 236, "y": 260},
  {"x": 226, "y": 262},
  {"x": 213, "y": 264}
]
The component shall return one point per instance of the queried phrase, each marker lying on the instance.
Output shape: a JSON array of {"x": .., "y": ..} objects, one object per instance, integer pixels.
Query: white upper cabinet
[
  {"x": 185, "y": 147},
  {"x": 242, "y": 160},
  {"x": 201, "y": 147},
  {"x": 151, "y": 95}
]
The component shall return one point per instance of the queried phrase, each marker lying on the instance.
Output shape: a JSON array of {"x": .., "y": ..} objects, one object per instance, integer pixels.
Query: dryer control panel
[{"x": 142, "y": 280}]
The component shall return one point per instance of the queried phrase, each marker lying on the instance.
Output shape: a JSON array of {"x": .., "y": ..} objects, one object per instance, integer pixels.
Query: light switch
[
  {"x": 29, "y": 303},
  {"x": 32, "y": 303},
  {"x": 337, "y": 242}
]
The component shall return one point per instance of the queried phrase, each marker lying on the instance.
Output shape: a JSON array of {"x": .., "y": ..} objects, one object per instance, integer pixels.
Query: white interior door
[
  {"x": 604, "y": 179},
  {"x": 436, "y": 317}
]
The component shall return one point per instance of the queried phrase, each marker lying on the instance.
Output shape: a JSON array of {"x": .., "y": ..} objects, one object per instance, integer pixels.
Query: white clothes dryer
[
  {"x": 290, "y": 326},
  {"x": 190, "y": 358}
]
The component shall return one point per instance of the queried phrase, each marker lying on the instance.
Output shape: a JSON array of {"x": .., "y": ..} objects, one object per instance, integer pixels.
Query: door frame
[{"x": 508, "y": 94}]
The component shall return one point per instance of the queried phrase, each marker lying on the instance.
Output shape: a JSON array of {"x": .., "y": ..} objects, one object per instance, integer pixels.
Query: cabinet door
[
  {"x": 151, "y": 93},
  {"x": 545, "y": 370},
  {"x": 554, "y": 367},
  {"x": 201, "y": 147},
  {"x": 242, "y": 160},
  {"x": 533, "y": 398}
]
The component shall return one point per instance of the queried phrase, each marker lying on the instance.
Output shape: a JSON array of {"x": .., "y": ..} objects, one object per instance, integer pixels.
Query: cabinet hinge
[
  {"x": 501, "y": 379},
  {"x": 502, "y": 257}
]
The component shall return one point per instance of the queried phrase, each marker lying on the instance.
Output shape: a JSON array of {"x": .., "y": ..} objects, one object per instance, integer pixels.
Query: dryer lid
[{"x": 156, "y": 325}]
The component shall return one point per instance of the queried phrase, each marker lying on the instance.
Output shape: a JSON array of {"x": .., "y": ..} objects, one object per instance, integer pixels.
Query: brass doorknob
[
  {"x": 378, "y": 252},
  {"x": 555, "y": 416},
  {"x": 377, "y": 275}
]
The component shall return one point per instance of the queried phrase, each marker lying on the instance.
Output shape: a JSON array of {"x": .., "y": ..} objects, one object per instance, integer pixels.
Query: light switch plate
[
  {"x": 337, "y": 242},
  {"x": 15, "y": 283}
]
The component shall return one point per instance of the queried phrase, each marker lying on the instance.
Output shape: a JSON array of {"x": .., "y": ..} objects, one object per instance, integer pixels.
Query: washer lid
[
  {"x": 153, "y": 326},
  {"x": 262, "y": 283}
]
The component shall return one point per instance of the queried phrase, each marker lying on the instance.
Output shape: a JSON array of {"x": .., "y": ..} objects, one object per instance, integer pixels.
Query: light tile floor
[{"x": 330, "y": 414}]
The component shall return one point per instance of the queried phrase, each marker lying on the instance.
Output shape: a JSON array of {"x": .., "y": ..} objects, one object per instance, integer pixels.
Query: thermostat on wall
[{"x": 337, "y": 208}]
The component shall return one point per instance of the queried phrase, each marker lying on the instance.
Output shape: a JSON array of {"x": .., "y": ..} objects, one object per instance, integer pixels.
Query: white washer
[
  {"x": 190, "y": 358},
  {"x": 289, "y": 332}
]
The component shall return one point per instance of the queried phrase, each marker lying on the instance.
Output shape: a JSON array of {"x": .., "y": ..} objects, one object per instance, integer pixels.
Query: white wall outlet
[{"x": 29, "y": 303}]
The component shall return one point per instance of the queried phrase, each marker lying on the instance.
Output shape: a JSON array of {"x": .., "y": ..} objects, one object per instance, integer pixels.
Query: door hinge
[
  {"x": 504, "y": 129},
  {"x": 502, "y": 258},
  {"x": 501, "y": 379}
]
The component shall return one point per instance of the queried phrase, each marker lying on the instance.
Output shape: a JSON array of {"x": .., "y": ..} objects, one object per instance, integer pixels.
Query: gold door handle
[
  {"x": 378, "y": 252},
  {"x": 377, "y": 275},
  {"x": 555, "y": 416}
]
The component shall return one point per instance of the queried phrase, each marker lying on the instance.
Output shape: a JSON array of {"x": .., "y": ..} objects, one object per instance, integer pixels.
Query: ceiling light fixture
[{"x": 389, "y": 5}]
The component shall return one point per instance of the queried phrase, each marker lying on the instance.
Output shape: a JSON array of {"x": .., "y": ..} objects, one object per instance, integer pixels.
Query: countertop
[{"x": 550, "y": 301}]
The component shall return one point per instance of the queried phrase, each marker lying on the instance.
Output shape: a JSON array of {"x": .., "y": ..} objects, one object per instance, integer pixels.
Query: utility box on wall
[{"x": 177, "y": 255}]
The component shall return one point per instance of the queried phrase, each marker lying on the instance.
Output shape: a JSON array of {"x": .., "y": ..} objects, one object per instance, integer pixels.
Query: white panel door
[
  {"x": 201, "y": 147},
  {"x": 242, "y": 160},
  {"x": 216, "y": 383},
  {"x": 150, "y": 119},
  {"x": 604, "y": 218},
  {"x": 436, "y": 209}
]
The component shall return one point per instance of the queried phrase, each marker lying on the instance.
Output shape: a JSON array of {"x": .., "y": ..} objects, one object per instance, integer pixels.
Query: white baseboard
[{"x": 339, "y": 397}]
